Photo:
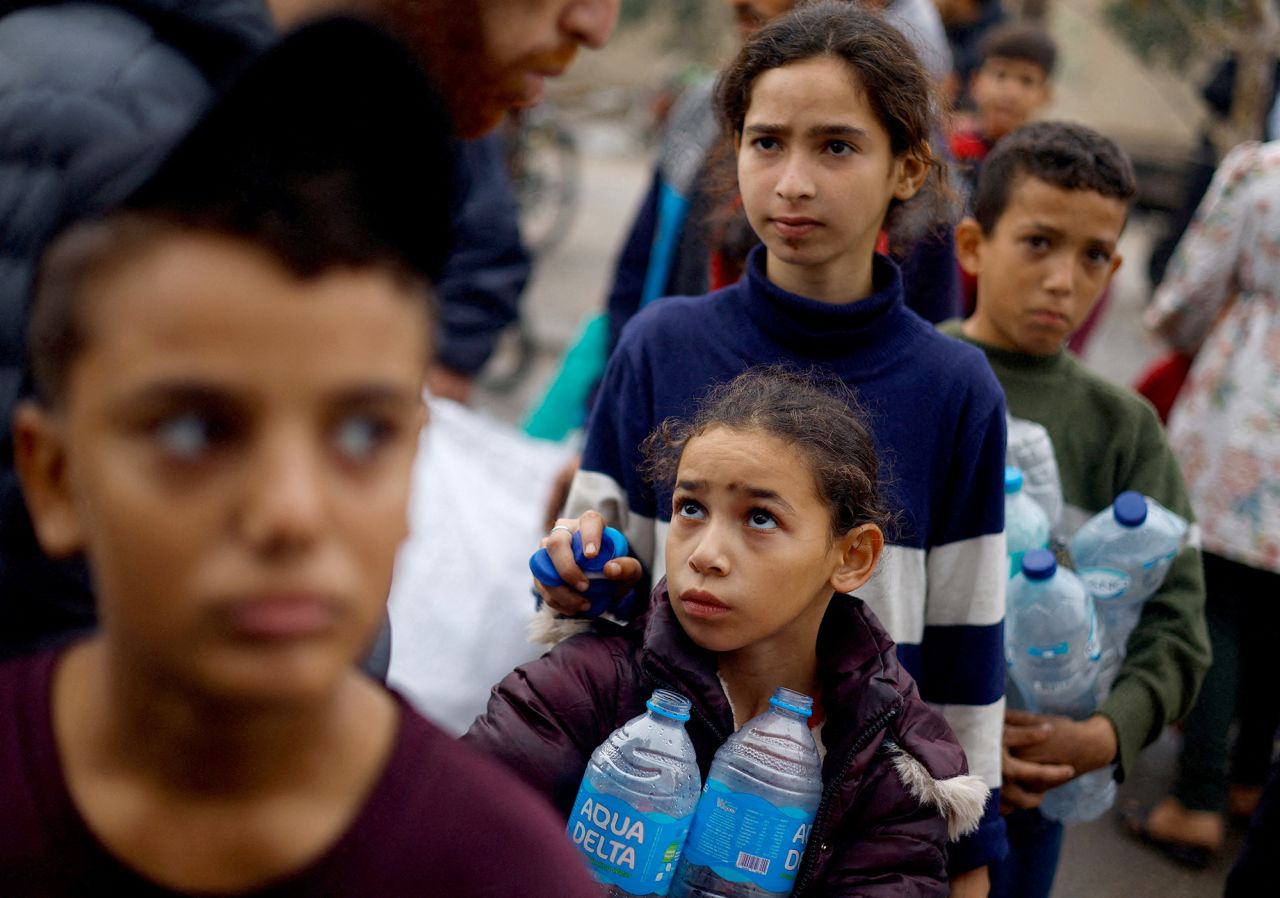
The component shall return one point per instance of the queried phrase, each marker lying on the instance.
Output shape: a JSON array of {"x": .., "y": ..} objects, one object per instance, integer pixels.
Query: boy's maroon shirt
[{"x": 441, "y": 821}]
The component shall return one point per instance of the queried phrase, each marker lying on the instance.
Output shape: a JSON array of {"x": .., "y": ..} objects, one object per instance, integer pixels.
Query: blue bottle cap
[
  {"x": 612, "y": 545},
  {"x": 543, "y": 570},
  {"x": 1012, "y": 479},
  {"x": 1130, "y": 509},
  {"x": 1039, "y": 564}
]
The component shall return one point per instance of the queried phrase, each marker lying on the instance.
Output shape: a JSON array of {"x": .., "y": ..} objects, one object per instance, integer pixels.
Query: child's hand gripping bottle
[
  {"x": 603, "y": 592},
  {"x": 636, "y": 802}
]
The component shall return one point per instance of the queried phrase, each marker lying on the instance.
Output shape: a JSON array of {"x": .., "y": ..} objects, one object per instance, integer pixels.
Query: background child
[
  {"x": 230, "y": 372},
  {"x": 775, "y": 508},
  {"x": 1048, "y": 213},
  {"x": 1009, "y": 87},
  {"x": 832, "y": 113}
]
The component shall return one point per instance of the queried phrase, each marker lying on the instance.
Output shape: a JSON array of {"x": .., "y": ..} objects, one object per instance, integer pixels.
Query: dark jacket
[
  {"x": 90, "y": 95},
  {"x": 479, "y": 293},
  {"x": 896, "y": 779},
  {"x": 88, "y": 91}
]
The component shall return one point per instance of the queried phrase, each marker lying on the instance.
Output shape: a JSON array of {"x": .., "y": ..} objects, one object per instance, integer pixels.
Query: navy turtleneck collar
[{"x": 877, "y": 328}]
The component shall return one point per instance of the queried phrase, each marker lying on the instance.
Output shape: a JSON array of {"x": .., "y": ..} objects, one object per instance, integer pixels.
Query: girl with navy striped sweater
[{"x": 830, "y": 112}]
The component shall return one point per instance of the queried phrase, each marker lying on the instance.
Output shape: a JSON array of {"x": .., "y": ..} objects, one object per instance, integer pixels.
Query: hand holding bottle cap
[{"x": 602, "y": 591}]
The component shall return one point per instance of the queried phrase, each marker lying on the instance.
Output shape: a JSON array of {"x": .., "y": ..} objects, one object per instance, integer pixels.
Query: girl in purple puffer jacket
[{"x": 775, "y": 518}]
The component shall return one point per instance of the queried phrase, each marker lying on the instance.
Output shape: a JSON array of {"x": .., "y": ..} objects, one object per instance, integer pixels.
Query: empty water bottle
[
  {"x": 1053, "y": 645},
  {"x": 1123, "y": 554},
  {"x": 1029, "y": 449},
  {"x": 603, "y": 592},
  {"x": 636, "y": 803},
  {"x": 1026, "y": 526},
  {"x": 757, "y": 808}
]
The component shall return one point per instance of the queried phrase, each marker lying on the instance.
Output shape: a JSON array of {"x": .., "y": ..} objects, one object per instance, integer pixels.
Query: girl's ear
[
  {"x": 859, "y": 550},
  {"x": 910, "y": 172},
  {"x": 40, "y": 456}
]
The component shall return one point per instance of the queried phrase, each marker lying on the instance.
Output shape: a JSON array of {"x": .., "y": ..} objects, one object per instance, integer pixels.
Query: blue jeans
[{"x": 1028, "y": 870}]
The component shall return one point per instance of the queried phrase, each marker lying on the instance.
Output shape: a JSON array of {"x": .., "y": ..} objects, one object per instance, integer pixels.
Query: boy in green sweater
[{"x": 1048, "y": 212}]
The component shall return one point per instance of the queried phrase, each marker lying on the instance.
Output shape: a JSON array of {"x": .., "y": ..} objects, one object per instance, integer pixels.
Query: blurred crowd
[{"x": 261, "y": 565}]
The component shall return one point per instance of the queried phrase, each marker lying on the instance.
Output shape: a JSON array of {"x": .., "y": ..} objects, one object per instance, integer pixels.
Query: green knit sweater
[{"x": 1106, "y": 440}]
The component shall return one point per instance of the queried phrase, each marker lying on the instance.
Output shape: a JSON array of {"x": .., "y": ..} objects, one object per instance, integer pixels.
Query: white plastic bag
[{"x": 460, "y": 601}]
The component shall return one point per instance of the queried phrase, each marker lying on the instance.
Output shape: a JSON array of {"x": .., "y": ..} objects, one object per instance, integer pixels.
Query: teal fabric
[{"x": 564, "y": 406}]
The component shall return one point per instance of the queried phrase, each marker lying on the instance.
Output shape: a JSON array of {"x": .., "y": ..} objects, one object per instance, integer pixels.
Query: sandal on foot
[{"x": 1185, "y": 853}]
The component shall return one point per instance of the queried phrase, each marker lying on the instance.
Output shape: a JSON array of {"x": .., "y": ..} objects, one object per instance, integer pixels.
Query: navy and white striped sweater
[{"x": 937, "y": 413}]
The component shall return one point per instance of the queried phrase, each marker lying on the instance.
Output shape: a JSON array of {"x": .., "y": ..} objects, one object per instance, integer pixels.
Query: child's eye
[
  {"x": 766, "y": 144},
  {"x": 1036, "y": 242},
  {"x": 359, "y": 437},
  {"x": 1098, "y": 256},
  {"x": 189, "y": 436},
  {"x": 687, "y": 508},
  {"x": 760, "y": 519},
  {"x": 839, "y": 148}
]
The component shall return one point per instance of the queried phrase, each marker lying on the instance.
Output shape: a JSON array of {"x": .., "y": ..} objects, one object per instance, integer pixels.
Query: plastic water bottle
[
  {"x": 636, "y": 802},
  {"x": 602, "y": 591},
  {"x": 1026, "y": 526},
  {"x": 1054, "y": 649},
  {"x": 757, "y": 808},
  {"x": 1030, "y": 449},
  {"x": 1123, "y": 554}
]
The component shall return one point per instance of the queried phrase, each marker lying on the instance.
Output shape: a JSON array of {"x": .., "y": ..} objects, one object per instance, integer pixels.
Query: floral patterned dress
[{"x": 1221, "y": 301}]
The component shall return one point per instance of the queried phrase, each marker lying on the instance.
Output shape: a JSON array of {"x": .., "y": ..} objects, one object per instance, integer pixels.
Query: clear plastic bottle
[
  {"x": 1123, "y": 554},
  {"x": 636, "y": 803},
  {"x": 757, "y": 809},
  {"x": 1030, "y": 450},
  {"x": 1026, "y": 526},
  {"x": 1054, "y": 647}
]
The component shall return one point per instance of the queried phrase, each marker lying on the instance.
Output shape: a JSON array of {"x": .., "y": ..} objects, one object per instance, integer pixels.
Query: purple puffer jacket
[{"x": 896, "y": 781}]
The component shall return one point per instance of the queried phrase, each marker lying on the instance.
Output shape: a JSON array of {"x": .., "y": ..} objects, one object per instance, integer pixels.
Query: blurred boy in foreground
[{"x": 229, "y": 372}]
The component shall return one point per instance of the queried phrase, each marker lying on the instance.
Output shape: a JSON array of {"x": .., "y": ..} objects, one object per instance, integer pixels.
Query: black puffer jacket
[
  {"x": 895, "y": 778},
  {"x": 90, "y": 95}
]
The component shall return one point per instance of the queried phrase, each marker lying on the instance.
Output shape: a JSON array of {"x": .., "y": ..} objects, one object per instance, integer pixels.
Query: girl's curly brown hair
[{"x": 818, "y": 415}]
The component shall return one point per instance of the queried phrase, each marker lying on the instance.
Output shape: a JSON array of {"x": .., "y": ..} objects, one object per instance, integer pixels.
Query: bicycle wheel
[{"x": 546, "y": 181}]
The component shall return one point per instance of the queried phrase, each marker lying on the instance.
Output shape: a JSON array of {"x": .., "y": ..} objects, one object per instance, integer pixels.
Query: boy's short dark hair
[
  {"x": 1066, "y": 155},
  {"x": 321, "y": 166},
  {"x": 1023, "y": 42}
]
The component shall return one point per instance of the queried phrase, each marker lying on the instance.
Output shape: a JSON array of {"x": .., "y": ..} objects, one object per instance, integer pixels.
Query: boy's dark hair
[
  {"x": 321, "y": 166},
  {"x": 896, "y": 84},
  {"x": 1021, "y": 41},
  {"x": 1066, "y": 155},
  {"x": 818, "y": 415}
]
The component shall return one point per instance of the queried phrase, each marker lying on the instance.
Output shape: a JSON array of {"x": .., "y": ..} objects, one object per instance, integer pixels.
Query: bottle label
[
  {"x": 1105, "y": 583},
  {"x": 744, "y": 838},
  {"x": 1015, "y": 563},
  {"x": 635, "y": 851},
  {"x": 1161, "y": 559}
]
